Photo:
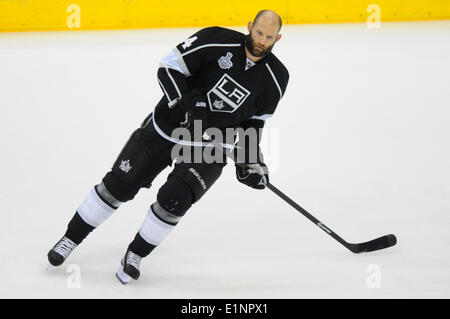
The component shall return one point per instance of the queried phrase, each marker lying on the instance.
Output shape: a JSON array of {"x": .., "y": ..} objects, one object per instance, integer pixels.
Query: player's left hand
[{"x": 253, "y": 175}]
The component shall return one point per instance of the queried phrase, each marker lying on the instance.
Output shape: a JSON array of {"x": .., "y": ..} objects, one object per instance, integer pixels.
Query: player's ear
[
  {"x": 250, "y": 26},
  {"x": 278, "y": 37}
]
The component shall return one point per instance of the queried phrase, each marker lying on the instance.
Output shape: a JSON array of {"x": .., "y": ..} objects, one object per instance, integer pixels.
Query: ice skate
[
  {"x": 129, "y": 268},
  {"x": 59, "y": 253}
]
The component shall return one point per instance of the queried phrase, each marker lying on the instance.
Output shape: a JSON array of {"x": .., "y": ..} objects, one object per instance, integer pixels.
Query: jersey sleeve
[
  {"x": 277, "y": 81},
  {"x": 188, "y": 58},
  {"x": 195, "y": 52},
  {"x": 266, "y": 105},
  {"x": 249, "y": 141}
]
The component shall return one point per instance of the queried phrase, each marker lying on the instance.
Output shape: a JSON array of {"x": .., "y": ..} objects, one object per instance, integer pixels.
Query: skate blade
[
  {"x": 50, "y": 267},
  {"x": 123, "y": 277}
]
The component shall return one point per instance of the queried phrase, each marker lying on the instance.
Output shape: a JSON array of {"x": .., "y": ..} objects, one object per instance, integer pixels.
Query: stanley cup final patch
[
  {"x": 227, "y": 95},
  {"x": 225, "y": 61}
]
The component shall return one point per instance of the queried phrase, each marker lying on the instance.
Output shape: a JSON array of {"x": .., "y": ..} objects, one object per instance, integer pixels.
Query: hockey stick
[{"x": 372, "y": 245}]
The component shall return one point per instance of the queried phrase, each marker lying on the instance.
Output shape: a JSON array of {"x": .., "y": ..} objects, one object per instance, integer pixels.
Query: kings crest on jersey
[{"x": 214, "y": 61}]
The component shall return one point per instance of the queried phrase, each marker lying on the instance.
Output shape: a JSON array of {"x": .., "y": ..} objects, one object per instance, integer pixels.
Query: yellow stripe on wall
[{"x": 22, "y": 15}]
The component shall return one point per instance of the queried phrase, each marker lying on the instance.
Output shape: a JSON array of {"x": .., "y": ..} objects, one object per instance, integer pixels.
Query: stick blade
[{"x": 376, "y": 244}]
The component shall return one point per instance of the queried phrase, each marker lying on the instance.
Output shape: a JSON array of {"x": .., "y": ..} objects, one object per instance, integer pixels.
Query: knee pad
[
  {"x": 118, "y": 189},
  {"x": 198, "y": 177},
  {"x": 175, "y": 198}
]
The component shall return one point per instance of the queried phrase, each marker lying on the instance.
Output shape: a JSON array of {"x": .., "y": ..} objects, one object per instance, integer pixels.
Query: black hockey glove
[
  {"x": 253, "y": 175},
  {"x": 194, "y": 106}
]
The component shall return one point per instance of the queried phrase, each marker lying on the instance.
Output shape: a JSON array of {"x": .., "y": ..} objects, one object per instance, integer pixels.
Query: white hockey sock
[
  {"x": 95, "y": 209},
  {"x": 153, "y": 230}
]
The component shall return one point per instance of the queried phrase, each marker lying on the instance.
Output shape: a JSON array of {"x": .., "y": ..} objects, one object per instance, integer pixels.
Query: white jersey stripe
[
  {"x": 182, "y": 63},
  {"x": 261, "y": 117},
  {"x": 212, "y": 45},
  {"x": 174, "y": 83},
  {"x": 275, "y": 80},
  {"x": 173, "y": 60},
  {"x": 185, "y": 143},
  {"x": 171, "y": 102}
]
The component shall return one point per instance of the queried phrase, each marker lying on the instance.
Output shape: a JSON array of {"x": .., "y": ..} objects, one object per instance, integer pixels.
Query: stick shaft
[
  {"x": 307, "y": 215},
  {"x": 318, "y": 223}
]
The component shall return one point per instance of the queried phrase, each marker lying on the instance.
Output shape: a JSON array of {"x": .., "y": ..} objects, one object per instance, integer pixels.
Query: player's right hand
[{"x": 253, "y": 175}]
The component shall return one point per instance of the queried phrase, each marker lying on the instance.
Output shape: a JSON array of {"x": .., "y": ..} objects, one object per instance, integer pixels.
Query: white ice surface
[{"x": 364, "y": 146}]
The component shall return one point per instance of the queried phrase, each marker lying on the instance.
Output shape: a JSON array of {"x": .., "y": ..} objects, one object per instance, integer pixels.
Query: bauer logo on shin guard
[{"x": 199, "y": 178}]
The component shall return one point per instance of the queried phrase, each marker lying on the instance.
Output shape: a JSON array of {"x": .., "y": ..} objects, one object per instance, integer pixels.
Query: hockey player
[{"x": 217, "y": 77}]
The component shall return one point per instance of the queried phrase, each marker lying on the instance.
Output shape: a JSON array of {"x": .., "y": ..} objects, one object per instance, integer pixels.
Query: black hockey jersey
[{"x": 239, "y": 93}]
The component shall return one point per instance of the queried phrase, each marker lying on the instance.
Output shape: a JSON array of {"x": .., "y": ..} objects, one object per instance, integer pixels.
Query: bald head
[{"x": 268, "y": 17}]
